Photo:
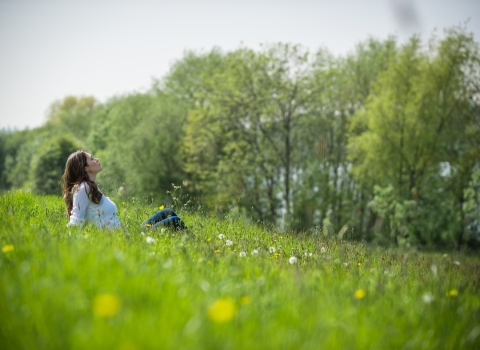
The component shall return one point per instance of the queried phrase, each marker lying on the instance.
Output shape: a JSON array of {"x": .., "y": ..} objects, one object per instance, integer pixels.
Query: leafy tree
[
  {"x": 139, "y": 142},
  {"x": 48, "y": 164},
  {"x": 71, "y": 115},
  {"x": 412, "y": 126},
  {"x": 19, "y": 147},
  {"x": 471, "y": 209},
  {"x": 241, "y": 136},
  {"x": 324, "y": 186}
]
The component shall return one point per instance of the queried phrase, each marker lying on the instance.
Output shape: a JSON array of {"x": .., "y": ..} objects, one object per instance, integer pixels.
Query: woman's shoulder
[{"x": 81, "y": 186}]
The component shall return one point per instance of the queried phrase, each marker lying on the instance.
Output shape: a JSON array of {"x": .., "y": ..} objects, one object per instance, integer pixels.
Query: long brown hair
[{"x": 73, "y": 176}]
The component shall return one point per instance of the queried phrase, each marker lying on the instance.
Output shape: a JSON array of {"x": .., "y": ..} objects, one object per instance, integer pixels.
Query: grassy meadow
[{"x": 231, "y": 285}]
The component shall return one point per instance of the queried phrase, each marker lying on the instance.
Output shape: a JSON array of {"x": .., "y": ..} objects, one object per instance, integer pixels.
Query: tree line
[{"x": 380, "y": 144}]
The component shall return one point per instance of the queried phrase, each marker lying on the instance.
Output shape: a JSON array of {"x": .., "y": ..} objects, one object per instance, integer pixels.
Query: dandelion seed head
[
  {"x": 323, "y": 250},
  {"x": 255, "y": 252},
  {"x": 456, "y": 263},
  {"x": 221, "y": 236},
  {"x": 242, "y": 254},
  {"x": 228, "y": 242},
  {"x": 149, "y": 239},
  {"x": 428, "y": 298},
  {"x": 292, "y": 260},
  {"x": 271, "y": 250}
]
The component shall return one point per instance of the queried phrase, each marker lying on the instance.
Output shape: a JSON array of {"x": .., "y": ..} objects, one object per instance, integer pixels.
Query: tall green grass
[{"x": 81, "y": 288}]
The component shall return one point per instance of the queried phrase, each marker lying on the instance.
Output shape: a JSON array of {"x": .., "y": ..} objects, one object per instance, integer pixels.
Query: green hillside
[{"x": 81, "y": 288}]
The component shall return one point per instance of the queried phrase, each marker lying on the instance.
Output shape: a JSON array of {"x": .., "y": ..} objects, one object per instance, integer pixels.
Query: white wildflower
[
  {"x": 292, "y": 260},
  {"x": 255, "y": 252},
  {"x": 228, "y": 242},
  {"x": 457, "y": 263},
  {"x": 150, "y": 239},
  {"x": 242, "y": 254},
  {"x": 221, "y": 236},
  {"x": 345, "y": 264},
  {"x": 142, "y": 233},
  {"x": 323, "y": 250},
  {"x": 271, "y": 250},
  {"x": 428, "y": 298},
  {"x": 162, "y": 230}
]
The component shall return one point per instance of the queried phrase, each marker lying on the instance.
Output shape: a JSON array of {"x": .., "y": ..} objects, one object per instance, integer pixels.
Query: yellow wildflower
[
  {"x": 148, "y": 225},
  {"x": 359, "y": 294},
  {"x": 222, "y": 310},
  {"x": 106, "y": 305},
  {"x": 209, "y": 239},
  {"x": 217, "y": 250},
  {"x": 8, "y": 248},
  {"x": 161, "y": 207},
  {"x": 452, "y": 293},
  {"x": 245, "y": 300},
  {"x": 359, "y": 264}
]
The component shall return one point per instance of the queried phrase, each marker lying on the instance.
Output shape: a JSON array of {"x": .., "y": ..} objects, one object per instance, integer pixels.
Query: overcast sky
[{"x": 53, "y": 48}]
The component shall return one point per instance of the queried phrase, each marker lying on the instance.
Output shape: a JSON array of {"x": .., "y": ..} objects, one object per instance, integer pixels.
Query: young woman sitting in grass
[{"x": 86, "y": 203}]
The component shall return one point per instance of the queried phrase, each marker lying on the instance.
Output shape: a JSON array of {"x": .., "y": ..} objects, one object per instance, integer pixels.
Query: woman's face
[{"x": 93, "y": 166}]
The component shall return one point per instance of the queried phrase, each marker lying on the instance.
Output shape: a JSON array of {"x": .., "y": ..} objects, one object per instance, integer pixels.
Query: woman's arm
[{"x": 80, "y": 204}]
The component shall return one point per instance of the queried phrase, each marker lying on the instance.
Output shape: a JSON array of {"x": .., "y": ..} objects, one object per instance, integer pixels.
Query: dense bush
[{"x": 48, "y": 164}]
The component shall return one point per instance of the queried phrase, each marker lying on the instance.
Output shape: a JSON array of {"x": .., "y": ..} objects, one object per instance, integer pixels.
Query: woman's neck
[{"x": 92, "y": 177}]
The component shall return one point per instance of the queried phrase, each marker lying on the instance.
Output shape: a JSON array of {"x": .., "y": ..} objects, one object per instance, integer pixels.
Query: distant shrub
[{"x": 48, "y": 164}]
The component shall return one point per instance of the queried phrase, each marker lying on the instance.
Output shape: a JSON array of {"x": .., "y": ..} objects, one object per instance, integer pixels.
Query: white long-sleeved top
[{"x": 102, "y": 215}]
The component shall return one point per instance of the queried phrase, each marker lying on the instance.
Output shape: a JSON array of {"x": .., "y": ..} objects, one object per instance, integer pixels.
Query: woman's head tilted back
[{"x": 76, "y": 173}]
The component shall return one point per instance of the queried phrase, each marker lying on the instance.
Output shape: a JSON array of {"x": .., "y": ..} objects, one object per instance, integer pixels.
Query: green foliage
[
  {"x": 19, "y": 150},
  {"x": 471, "y": 209},
  {"x": 72, "y": 114},
  {"x": 48, "y": 164},
  {"x": 379, "y": 144},
  {"x": 3, "y": 159},
  {"x": 242, "y": 136},
  {"x": 410, "y": 138},
  {"x": 400, "y": 216},
  {"x": 81, "y": 288}
]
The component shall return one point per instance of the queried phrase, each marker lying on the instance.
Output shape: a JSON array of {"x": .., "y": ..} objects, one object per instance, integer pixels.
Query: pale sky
[{"x": 53, "y": 48}]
